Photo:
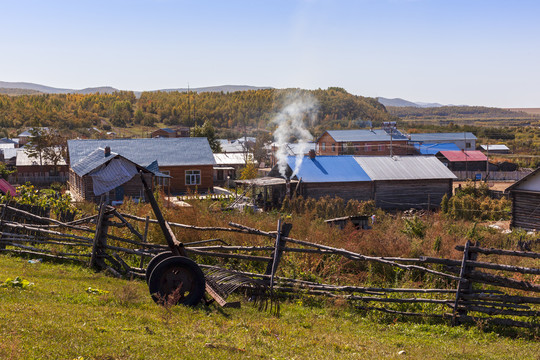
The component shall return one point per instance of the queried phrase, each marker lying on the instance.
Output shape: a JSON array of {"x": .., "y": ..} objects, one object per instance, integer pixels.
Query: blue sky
[{"x": 475, "y": 52}]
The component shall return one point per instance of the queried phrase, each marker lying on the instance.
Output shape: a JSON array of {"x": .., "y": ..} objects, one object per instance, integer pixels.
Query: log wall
[
  {"x": 406, "y": 194},
  {"x": 525, "y": 209}
]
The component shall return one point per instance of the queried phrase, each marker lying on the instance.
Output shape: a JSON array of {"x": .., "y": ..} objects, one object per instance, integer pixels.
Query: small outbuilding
[
  {"x": 525, "y": 196},
  {"x": 108, "y": 174}
]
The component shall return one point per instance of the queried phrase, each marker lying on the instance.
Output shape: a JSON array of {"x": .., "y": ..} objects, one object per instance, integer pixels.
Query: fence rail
[{"x": 91, "y": 242}]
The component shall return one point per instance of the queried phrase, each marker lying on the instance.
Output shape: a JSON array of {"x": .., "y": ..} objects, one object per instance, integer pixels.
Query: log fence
[{"x": 476, "y": 290}]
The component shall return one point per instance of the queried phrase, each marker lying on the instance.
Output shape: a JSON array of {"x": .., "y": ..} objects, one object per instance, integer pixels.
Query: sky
[{"x": 471, "y": 52}]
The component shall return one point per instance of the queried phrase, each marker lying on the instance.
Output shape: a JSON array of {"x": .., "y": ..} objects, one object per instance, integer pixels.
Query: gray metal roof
[
  {"x": 97, "y": 158},
  {"x": 24, "y": 160},
  {"x": 458, "y": 136},
  {"x": 496, "y": 147},
  {"x": 404, "y": 167},
  {"x": 167, "y": 151},
  {"x": 92, "y": 161},
  {"x": 364, "y": 135},
  {"x": 230, "y": 159}
]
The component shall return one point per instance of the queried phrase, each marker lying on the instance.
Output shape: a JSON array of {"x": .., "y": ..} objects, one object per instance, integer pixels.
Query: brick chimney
[{"x": 107, "y": 151}]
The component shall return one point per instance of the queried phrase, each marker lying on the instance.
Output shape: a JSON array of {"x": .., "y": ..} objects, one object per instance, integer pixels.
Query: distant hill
[
  {"x": 14, "y": 92},
  {"x": 397, "y": 102},
  {"x": 50, "y": 90},
  {"x": 24, "y": 88},
  {"x": 221, "y": 88}
]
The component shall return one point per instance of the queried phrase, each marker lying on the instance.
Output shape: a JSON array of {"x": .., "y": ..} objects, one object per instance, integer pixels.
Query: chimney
[
  {"x": 312, "y": 154},
  {"x": 107, "y": 151}
]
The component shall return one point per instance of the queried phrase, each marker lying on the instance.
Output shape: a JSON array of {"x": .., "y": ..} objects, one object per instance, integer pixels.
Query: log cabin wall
[
  {"x": 361, "y": 191},
  {"x": 525, "y": 209},
  {"x": 82, "y": 189},
  {"x": 406, "y": 194}
]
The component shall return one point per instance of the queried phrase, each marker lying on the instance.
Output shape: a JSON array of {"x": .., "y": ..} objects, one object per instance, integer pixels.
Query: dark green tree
[{"x": 207, "y": 131}]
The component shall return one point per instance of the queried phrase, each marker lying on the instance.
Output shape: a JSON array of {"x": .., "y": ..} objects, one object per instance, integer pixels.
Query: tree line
[{"x": 241, "y": 109}]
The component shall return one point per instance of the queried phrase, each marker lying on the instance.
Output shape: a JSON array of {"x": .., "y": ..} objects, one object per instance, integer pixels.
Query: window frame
[{"x": 193, "y": 174}]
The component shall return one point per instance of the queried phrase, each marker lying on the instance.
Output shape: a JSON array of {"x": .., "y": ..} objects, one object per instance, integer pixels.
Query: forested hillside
[
  {"x": 457, "y": 112},
  {"x": 252, "y": 109}
]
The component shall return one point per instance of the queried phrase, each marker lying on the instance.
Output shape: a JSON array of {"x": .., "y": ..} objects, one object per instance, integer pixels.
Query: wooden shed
[
  {"x": 525, "y": 196},
  {"x": 106, "y": 173}
]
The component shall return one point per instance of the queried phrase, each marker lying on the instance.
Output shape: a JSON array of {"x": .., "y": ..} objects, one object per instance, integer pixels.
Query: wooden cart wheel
[
  {"x": 154, "y": 261},
  {"x": 177, "y": 280}
]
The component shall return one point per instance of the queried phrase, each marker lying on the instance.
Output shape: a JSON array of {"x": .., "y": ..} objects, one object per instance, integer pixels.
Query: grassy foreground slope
[{"x": 59, "y": 318}]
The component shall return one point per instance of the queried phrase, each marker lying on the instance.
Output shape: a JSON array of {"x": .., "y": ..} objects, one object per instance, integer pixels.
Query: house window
[
  {"x": 381, "y": 147},
  {"x": 323, "y": 146},
  {"x": 333, "y": 147},
  {"x": 163, "y": 181},
  {"x": 367, "y": 148},
  {"x": 193, "y": 177},
  {"x": 468, "y": 145}
]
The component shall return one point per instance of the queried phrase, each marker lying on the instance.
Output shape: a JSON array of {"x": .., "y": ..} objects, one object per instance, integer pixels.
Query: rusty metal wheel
[
  {"x": 177, "y": 280},
  {"x": 154, "y": 261}
]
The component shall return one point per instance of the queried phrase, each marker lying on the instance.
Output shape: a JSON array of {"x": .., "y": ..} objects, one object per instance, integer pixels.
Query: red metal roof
[
  {"x": 474, "y": 155},
  {"x": 6, "y": 187}
]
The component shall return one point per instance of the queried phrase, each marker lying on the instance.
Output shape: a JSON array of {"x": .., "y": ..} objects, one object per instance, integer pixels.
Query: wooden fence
[{"x": 473, "y": 291}]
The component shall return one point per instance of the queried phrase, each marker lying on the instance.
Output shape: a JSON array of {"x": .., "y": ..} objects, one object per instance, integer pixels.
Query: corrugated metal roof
[
  {"x": 10, "y": 153},
  {"x": 341, "y": 168},
  {"x": 364, "y": 135},
  {"x": 475, "y": 155},
  {"x": 430, "y": 137},
  {"x": 92, "y": 161},
  {"x": 230, "y": 159},
  {"x": 404, "y": 167},
  {"x": 24, "y": 160},
  {"x": 231, "y": 146},
  {"x": 432, "y": 149},
  {"x": 6, "y": 188},
  {"x": 97, "y": 158},
  {"x": 167, "y": 151},
  {"x": 497, "y": 147}
]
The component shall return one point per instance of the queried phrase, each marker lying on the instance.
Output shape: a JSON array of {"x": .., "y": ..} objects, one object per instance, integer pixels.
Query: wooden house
[
  {"x": 30, "y": 169},
  {"x": 108, "y": 174},
  {"x": 188, "y": 161},
  {"x": 363, "y": 142},
  {"x": 398, "y": 182},
  {"x": 525, "y": 196},
  {"x": 463, "y": 160},
  {"x": 228, "y": 166}
]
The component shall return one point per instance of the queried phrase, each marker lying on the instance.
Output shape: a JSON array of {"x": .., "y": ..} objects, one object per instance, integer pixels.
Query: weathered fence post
[
  {"x": 145, "y": 236},
  {"x": 462, "y": 279},
  {"x": 100, "y": 237},
  {"x": 282, "y": 231}
]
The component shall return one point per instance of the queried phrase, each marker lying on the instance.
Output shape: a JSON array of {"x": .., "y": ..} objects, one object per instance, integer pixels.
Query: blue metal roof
[
  {"x": 364, "y": 135},
  {"x": 432, "y": 149},
  {"x": 458, "y": 136},
  {"x": 328, "y": 169},
  {"x": 167, "y": 151}
]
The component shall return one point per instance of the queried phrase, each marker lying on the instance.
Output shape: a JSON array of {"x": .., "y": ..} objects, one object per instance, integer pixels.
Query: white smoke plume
[{"x": 297, "y": 109}]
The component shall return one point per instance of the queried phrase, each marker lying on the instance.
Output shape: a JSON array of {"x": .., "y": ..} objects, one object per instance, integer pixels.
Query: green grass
[{"x": 57, "y": 318}]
